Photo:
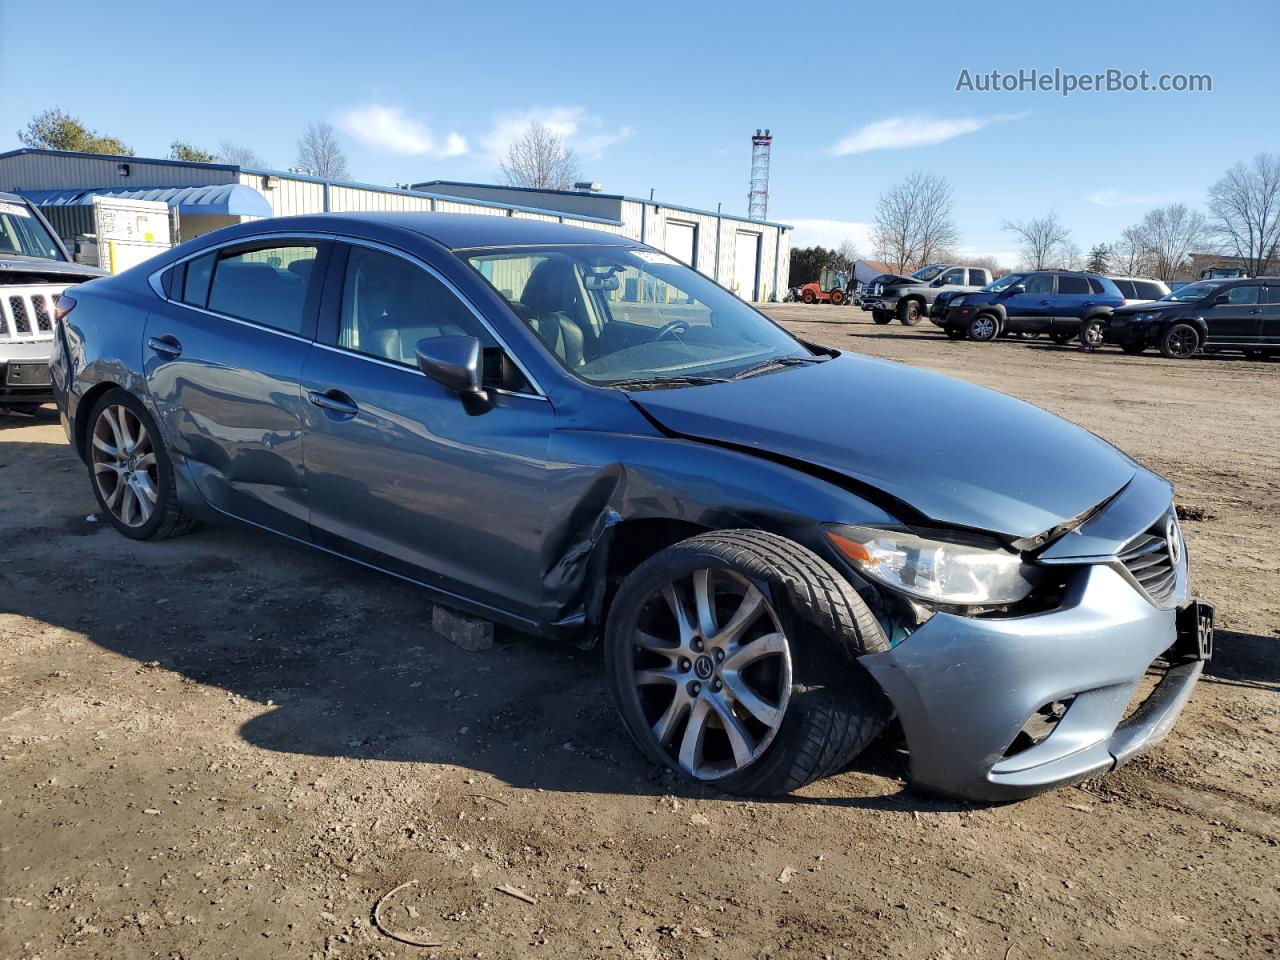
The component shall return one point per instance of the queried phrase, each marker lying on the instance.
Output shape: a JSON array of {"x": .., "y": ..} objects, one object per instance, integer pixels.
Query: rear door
[
  {"x": 401, "y": 473},
  {"x": 1237, "y": 321},
  {"x": 222, "y": 359},
  {"x": 1070, "y": 303},
  {"x": 1271, "y": 315}
]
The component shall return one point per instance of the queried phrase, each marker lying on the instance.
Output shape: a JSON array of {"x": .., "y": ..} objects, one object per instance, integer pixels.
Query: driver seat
[{"x": 548, "y": 293}]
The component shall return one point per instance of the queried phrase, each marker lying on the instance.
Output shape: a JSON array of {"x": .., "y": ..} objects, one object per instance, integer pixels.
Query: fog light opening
[{"x": 1039, "y": 725}]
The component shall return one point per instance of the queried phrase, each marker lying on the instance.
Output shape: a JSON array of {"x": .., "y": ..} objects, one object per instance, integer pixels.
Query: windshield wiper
[
  {"x": 656, "y": 383},
  {"x": 772, "y": 362}
]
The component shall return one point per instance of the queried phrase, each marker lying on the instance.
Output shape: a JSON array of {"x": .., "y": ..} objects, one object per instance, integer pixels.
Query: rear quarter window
[
  {"x": 1127, "y": 289},
  {"x": 195, "y": 288}
]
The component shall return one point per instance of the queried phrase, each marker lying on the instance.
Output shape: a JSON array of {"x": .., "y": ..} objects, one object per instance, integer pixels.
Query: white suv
[{"x": 34, "y": 269}]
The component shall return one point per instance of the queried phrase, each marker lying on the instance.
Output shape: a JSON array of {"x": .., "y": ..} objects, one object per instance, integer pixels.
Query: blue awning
[{"x": 227, "y": 199}]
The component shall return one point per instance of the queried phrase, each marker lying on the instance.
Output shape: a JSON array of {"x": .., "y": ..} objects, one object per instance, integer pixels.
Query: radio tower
[{"x": 758, "y": 198}]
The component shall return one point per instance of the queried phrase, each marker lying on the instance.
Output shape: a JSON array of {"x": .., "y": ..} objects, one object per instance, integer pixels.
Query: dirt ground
[{"x": 226, "y": 745}]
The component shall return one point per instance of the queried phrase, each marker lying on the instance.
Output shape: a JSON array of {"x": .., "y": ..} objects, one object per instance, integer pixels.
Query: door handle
[
  {"x": 1045, "y": 303},
  {"x": 166, "y": 346},
  {"x": 1258, "y": 310},
  {"x": 334, "y": 400}
]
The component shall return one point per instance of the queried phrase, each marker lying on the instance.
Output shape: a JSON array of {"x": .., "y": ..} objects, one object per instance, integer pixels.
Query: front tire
[
  {"x": 1133, "y": 349},
  {"x": 808, "y": 296},
  {"x": 130, "y": 470},
  {"x": 837, "y": 297},
  {"x": 1180, "y": 342},
  {"x": 984, "y": 328},
  {"x": 909, "y": 313},
  {"x": 730, "y": 660}
]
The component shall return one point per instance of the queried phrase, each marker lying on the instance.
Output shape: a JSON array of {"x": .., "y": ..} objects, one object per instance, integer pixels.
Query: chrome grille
[
  {"x": 26, "y": 313},
  {"x": 1151, "y": 562}
]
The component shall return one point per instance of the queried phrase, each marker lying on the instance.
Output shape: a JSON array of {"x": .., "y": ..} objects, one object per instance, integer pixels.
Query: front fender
[{"x": 601, "y": 480}]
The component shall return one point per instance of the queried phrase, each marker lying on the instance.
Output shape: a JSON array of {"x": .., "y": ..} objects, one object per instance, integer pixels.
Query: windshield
[
  {"x": 22, "y": 235},
  {"x": 1194, "y": 291},
  {"x": 929, "y": 272},
  {"x": 1004, "y": 283},
  {"x": 613, "y": 314}
]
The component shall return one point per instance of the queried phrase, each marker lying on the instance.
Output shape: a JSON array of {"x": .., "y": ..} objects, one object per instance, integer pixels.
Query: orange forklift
[{"x": 828, "y": 288}]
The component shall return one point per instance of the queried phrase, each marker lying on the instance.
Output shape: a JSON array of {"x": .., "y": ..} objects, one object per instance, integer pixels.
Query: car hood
[
  {"x": 959, "y": 454},
  {"x": 17, "y": 270},
  {"x": 1146, "y": 306}
]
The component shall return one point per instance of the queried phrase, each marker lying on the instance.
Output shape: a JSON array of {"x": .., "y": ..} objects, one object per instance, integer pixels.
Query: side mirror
[
  {"x": 1220, "y": 299},
  {"x": 453, "y": 362}
]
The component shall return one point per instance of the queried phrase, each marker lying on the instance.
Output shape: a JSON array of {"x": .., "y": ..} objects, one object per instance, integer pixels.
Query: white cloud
[
  {"x": 583, "y": 132},
  {"x": 900, "y": 133},
  {"x": 393, "y": 130},
  {"x": 1115, "y": 197},
  {"x": 820, "y": 232}
]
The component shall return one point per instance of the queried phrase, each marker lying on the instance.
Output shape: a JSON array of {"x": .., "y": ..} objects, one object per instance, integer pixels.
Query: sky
[{"x": 665, "y": 96}]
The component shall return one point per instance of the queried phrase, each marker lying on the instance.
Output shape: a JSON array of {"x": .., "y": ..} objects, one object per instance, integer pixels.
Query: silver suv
[{"x": 34, "y": 269}]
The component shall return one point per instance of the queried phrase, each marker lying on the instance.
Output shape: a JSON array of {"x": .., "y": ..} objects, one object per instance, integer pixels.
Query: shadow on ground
[{"x": 341, "y": 657}]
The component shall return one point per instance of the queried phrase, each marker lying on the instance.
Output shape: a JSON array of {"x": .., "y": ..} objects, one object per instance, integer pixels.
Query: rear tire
[
  {"x": 881, "y": 316},
  {"x": 1180, "y": 342},
  {"x": 984, "y": 328},
  {"x": 954, "y": 333},
  {"x": 130, "y": 470},
  {"x": 808, "y": 296},
  {"x": 909, "y": 313},
  {"x": 1062, "y": 339},
  {"x": 801, "y": 708},
  {"x": 1133, "y": 349},
  {"x": 837, "y": 297},
  {"x": 1093, "y": 333},
  {"x": 1255, "y": 354}
]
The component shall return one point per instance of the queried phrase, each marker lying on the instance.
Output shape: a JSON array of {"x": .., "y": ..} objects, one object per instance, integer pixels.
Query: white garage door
[
  {"x": 682, "y": 241},
  {"x": 746, "y": 265}
]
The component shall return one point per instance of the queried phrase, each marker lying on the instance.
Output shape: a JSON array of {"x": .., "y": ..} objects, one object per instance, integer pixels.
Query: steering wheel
[{"x": 673, "y": 327}]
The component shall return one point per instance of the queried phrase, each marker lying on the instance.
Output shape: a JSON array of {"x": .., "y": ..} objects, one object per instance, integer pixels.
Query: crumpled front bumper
[{"x": 964, "y": 687}]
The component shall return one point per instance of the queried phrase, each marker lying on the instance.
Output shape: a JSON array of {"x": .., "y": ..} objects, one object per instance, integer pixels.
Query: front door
[
  {"x": 400, "y": 472},
  {"x": 1028, "y": 309},
  {"x": 222, "y": 359},
  {"x": 1237, "y": 321}
]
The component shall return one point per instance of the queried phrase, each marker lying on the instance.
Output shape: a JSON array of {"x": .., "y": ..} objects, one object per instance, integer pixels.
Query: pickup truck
[
  {"x": 911, "y": 298},
  {"x": 35, "y": 268}
]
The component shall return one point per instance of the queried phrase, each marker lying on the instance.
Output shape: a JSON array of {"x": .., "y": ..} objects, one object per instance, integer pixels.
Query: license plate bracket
[
  {"x": 23, "y": 374},
  {"x": 1195, "y": 630}
]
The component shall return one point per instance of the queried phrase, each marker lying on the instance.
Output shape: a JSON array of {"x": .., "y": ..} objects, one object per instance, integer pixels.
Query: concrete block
[{"x": 469, "y": 633}]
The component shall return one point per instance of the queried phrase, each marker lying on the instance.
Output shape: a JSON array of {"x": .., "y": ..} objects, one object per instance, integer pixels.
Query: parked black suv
[
  {"x": 1056, "y": 302},
  {"x": 1208, "y": 315}
]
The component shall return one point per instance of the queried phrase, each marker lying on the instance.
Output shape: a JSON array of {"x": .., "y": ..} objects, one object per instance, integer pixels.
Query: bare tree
[
  {"x": 539, "y": 158},
  {"x": 847, "y": 255},
  {"x": 913, "y": 224},
  {"x": 319, "y": 152},
  {"x": 241, "y": 156},
  {"x": 1045, "y": 241},
  {"x": 1169, "y": 235},
  {"x": 1130, "y": 255},
  {"x": 1245, "y": 207},
  {"x": 990, "y": 263}
]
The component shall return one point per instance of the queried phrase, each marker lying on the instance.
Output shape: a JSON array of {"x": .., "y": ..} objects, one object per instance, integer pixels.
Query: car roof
[
  {"x": 456, "y": 231},
  {"x": 1120, "y": 276},
  {"x": 12, "y": 197}
]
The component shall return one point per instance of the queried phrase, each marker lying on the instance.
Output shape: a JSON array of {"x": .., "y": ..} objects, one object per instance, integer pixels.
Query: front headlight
[
  {"x": 964, "y": 573},
  {"x": 1143, "y": 317}
]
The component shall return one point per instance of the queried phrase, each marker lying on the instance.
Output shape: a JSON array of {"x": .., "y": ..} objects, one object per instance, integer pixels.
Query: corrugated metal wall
[{"x": 39, "y": 171}]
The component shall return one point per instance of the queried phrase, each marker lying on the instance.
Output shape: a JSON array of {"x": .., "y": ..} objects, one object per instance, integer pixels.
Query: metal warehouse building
[{"x": 750, "y": 257}]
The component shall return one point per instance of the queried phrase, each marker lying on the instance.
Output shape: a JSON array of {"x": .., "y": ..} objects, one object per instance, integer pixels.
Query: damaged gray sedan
[{"x": 781, "y": 546}]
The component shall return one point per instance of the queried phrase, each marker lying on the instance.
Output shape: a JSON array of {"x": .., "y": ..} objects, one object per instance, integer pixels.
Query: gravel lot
[{"x": 227, "y": 745}]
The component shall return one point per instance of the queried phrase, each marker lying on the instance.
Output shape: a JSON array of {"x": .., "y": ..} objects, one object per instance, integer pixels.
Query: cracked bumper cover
[{"x": 963, "y": 687}]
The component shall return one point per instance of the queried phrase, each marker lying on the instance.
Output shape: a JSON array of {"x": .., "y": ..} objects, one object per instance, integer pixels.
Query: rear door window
[
  {"x": 267, "y": 285},
  {"x": 1244, "y": 296},
  {"x": 1146, "y": 290},
  {"x": 199, "y": 272},
  {"x": 1073, "y": 286},
  {"x": 977, "y": 278}
]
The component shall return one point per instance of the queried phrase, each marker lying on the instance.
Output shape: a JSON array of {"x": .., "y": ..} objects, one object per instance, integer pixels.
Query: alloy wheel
[
  {"x": 984, "y": 328},
  {"x": 1093, "y": 335},
  {"x": 124, "y": 465},
  {"x": 1182, "y": 343},
  {"x": 711, "y": 671}
]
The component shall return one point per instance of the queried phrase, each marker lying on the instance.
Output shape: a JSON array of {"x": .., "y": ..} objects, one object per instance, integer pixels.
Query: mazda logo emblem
[{"x": 1173, "y": 543}]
